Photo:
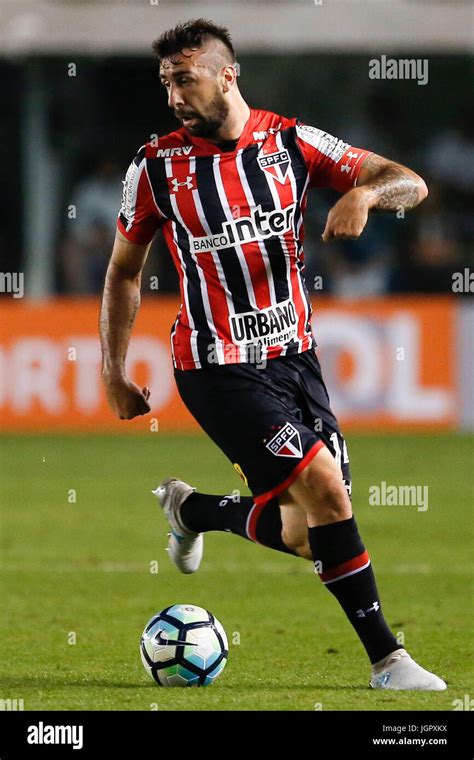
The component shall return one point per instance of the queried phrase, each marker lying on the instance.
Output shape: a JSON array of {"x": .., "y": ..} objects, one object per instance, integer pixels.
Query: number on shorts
[{"x": 337, "y": 449}]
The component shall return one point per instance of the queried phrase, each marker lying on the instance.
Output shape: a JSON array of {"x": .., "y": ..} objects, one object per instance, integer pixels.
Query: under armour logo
[
  {"x": 188, "y": 183},
  {"x": 374, "y": 608},
  {"x": 347, "y": 167}
]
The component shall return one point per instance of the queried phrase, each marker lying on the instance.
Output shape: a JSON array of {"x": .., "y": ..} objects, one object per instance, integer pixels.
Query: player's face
[{"x": 194, "y": 94}]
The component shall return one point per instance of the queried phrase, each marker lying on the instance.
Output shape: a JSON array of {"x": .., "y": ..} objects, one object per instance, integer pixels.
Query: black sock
[
  {"x": 236, "y": 514},
  {"x": 344, "y": 567}
]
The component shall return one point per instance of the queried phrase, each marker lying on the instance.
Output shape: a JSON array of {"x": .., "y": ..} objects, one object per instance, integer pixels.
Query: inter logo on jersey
[
  {"x": 286, "y": 443},
  {"x": 259, "y": 226},
  {"x": 275, "y": 164}
]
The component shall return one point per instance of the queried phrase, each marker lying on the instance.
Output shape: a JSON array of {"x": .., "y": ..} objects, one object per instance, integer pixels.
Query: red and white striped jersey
[{"x": 233, "y": 223}]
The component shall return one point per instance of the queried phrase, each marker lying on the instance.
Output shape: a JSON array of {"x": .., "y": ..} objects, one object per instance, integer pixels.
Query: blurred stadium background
[{"x": 79, "y": 95}]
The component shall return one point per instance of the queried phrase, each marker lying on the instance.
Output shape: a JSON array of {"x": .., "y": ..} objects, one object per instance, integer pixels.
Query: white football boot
[
  {"x": 399, "y": 671},
  {"x": 184, "y": 546}
]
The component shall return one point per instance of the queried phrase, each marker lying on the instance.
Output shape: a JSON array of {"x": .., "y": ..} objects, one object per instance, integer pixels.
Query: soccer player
[{"x": 229, "y": 191}]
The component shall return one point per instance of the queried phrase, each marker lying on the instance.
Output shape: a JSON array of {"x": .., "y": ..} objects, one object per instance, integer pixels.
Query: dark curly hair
[{"x": 191, "y": 34}]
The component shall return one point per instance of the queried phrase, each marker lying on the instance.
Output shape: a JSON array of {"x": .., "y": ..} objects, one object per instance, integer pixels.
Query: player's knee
[
  {"x": 322, "y": 491},
  {"x": 322, "y": 484}
]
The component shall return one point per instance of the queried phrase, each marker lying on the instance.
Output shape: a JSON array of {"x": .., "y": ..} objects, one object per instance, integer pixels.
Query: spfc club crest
[
  {"x": 275, "y": 164},
  {"x": 286, "y": 442}
]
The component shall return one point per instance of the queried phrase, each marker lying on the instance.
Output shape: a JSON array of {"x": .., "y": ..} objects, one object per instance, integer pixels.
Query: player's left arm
[{"x": 381, "y": 184}]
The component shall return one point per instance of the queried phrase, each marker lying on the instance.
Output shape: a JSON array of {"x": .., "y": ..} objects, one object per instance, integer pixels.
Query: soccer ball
[{"x": 184, "y": 645}]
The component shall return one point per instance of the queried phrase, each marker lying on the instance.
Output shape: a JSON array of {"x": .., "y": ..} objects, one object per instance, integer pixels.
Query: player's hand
[
  {"x": 348, "y": 217},
  {"x": 125, "y": 398}
]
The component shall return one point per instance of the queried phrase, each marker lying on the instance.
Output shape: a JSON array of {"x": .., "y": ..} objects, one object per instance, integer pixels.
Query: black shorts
[{"x": 269, "y": 421}]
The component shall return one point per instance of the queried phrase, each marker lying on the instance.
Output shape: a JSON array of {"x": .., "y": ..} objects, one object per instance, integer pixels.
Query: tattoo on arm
[
  {"x": 136, "y": 304},
  {"x": 120, "y": 304},
  {"x": 394, "y": 185}
]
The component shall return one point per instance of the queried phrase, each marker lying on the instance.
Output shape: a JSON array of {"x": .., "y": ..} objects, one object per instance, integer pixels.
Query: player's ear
[{"x": 229, "y": 76}]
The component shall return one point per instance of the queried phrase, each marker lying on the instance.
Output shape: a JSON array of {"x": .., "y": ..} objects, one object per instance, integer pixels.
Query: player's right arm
[
  {"x": 120, "y": 304},
  {"x": 138, "y": 220}
]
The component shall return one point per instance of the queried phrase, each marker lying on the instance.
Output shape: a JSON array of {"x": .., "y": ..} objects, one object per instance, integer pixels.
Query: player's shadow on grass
[
  {"x": 65, "y": 683},
  {"x": 50, "y": 682},
  {"x": 283, "y": 688}
]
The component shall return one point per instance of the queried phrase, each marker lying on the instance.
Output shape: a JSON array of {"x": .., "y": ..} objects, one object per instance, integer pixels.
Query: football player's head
[{"x": 199, "y": 72}]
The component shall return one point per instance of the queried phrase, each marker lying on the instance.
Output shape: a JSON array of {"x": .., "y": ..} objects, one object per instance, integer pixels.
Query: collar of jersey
[{"x": 201, "y": 142}]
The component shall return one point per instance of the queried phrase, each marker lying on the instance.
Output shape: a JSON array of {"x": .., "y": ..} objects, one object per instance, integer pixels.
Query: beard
[{"x": 208, "y": 124}]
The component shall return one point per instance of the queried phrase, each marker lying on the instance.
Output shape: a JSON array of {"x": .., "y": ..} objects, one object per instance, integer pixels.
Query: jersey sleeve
[
  {"x": 139, "y": 218},
  {"x": 330, "y": 161}
]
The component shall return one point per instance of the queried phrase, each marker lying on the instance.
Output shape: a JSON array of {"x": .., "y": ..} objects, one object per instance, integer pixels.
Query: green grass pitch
[{"x": 81, "y": 570}]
